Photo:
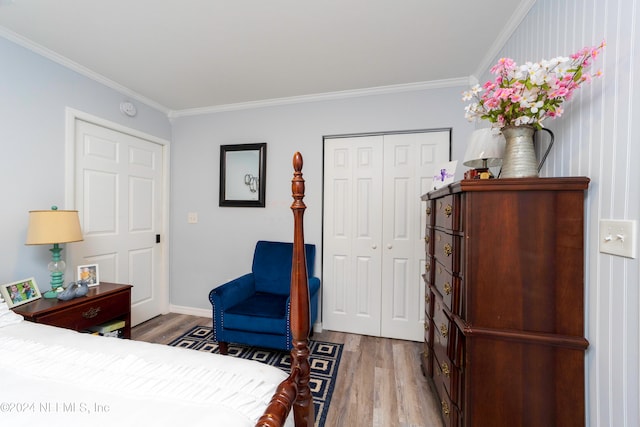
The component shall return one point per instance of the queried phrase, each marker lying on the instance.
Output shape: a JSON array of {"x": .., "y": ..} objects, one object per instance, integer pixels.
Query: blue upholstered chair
[{"x": 254, "y": 309}]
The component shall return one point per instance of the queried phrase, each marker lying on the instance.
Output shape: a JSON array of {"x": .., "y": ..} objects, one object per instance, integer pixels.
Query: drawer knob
[
  {"x": 427, "y": 267},
  {"x": 445, "y": 369},
  {"x": 448, "y": 210},
  {"x": 425, "y": 353},
  {"x": 445, "y": 408},
  {"x": 448, "y": 249},
  {"x": 426, "y": 238},
  {"x": 91, "y": 313},
  {"x": 428, "y": 210},
  {"x": 426, "y": 326},
  {"x": 447, "y": 288},
  {"x": 427, "y": 299},
  {"x": 444, "y": 330}
]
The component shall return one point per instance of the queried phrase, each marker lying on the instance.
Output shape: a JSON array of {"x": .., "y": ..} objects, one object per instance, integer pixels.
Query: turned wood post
[{"x": 300, "y": 309}]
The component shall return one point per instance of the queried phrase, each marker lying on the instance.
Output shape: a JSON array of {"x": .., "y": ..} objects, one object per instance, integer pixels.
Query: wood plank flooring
[{"x": 380, "y": 383}]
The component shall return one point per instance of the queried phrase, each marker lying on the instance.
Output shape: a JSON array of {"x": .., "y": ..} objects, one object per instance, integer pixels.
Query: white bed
[{"x": 57, "y": 377}]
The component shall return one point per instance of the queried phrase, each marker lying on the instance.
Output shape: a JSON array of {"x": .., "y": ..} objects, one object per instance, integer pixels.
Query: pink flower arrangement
[{"x": 529, "y": 93}]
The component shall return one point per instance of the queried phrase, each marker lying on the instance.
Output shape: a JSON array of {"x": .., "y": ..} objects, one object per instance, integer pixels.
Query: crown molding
[
  {"x": 507, "y": 31},
  {"x": 74, "y": 66},
  {"x": 463, "y": 81}
]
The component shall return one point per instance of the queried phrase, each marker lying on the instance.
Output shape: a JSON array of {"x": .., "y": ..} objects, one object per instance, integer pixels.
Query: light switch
[
  {"x": 192, "y": 217},
  {"x": 618, "y": 237}
]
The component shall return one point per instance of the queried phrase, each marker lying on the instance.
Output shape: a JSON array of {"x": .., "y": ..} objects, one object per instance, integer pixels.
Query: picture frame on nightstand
[
  {"x": 89, "y": 273},
  {"x": 20, "y": 292}
]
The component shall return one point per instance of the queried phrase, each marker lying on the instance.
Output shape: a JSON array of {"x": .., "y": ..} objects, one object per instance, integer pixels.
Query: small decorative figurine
[{"x": 73, "y": 290}]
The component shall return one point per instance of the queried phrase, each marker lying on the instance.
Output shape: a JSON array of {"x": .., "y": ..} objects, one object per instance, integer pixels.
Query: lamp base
[
  {"x": 53, "y": 293},
  {"x": 480, "y": 173}
]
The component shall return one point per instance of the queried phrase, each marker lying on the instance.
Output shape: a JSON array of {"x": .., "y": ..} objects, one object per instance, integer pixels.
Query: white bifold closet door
[{"x": 373, "y": 234}]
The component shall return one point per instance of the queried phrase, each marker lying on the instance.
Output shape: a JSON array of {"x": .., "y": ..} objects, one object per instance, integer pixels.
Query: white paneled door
[
  {"x": 373, "y": 235},
  {"x": 118, "y": 194}
]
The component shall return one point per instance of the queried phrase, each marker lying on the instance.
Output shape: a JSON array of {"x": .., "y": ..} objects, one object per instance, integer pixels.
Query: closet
[{"x": 372, "y": 250}]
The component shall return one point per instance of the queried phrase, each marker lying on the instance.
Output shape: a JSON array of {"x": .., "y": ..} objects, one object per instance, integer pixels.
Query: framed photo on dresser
[
  {"x": 89, "y": 273},
  {"x": 20, "y": 292}
]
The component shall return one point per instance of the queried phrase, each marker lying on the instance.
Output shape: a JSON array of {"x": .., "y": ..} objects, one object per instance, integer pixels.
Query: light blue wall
[
  {"x": 220, "y": 246},
  {"x": 34, "y": 93}
]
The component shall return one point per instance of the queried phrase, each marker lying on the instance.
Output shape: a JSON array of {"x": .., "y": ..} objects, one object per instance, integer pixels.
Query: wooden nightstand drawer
[
  {"x": 90, "y": 313},
  {"x": 103, "y": 303}
]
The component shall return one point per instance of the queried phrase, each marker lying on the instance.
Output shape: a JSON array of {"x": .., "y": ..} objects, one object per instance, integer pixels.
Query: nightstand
[{"x": 103, "y": 303}]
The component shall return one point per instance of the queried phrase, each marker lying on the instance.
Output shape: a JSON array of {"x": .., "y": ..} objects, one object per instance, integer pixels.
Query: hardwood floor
[{"x": 380, "y": 383}]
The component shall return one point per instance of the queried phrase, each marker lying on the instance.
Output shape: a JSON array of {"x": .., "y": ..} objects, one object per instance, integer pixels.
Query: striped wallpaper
[{"x": 599, "y": 136}]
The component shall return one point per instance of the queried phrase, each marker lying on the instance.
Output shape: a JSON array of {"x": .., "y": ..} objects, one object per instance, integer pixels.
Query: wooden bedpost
[
  {"x": 294, "y": 392},
  {"x": 300, "y": 310}
]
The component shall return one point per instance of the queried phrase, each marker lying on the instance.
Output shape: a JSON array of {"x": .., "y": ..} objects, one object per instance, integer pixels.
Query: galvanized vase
[{"x": 519, "y": 159}]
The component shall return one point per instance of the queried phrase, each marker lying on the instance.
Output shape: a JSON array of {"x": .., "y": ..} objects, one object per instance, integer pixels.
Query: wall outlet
[
  {"x": 618, "y": 237},
  {"x": 192, "y": 218}
]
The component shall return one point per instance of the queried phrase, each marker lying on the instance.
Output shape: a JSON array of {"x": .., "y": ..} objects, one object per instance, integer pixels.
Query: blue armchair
[{"x": 254, "y": 309}]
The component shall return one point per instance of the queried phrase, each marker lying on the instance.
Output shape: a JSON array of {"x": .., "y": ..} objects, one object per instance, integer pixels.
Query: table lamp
[
  {"x": 485, "y": 150},
  {"x": 54, "y": 227}
]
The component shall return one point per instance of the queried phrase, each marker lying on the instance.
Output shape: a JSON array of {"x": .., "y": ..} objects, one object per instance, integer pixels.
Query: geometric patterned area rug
[{"x": 324, "y": 361}]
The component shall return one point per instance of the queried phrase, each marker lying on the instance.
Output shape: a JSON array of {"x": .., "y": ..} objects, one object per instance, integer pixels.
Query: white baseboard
[{"x": 180, "y": 309}]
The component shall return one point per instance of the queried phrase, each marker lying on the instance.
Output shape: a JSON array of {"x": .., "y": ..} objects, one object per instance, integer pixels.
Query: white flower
[{"x": 535, "y": 107}]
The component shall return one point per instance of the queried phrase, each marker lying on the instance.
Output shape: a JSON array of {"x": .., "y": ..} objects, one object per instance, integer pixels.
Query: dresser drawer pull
[
  {"x": 448, "y": 210},
  {"x": 427, "y": 299},
  {"x": 445, "y": 369},
  {"x": 444, "y": 330},
  {"x": 445, "y": 408},
  {"x": 448, "y": 249},
  {"x": 426, "y": 239},
  {"x": 447, "y": 288},
  {"x": 91, "y": 313},
  {"x": 426, "y": 325},
  {"x": 428, "y": 210},
  {"x": 425, "y": 353},
  {"x": 427, "y": 267}
]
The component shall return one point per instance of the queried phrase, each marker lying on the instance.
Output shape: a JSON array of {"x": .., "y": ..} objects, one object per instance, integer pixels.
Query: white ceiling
[{"x": 188, "y": 55}]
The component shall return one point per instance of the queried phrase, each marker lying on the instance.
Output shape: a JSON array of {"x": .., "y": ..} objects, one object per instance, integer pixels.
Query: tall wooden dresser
[{"x": 504, "y": 331}]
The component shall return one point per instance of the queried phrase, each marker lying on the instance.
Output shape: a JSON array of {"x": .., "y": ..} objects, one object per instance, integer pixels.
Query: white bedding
[{"x": 57, "y": 377}]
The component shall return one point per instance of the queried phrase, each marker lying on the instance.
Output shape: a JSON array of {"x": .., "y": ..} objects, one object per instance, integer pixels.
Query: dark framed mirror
[{"x": 243, "y": 171}]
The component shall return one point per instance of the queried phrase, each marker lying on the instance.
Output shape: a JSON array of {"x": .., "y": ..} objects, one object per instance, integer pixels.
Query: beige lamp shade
[
  {"x": 53, "y": 226},
  {"x": 485, "y": 149}
]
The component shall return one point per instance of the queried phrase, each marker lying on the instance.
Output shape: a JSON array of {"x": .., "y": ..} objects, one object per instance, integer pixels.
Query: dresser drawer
[
  {"x": 446, "y": 250},
  {"x": 428, "y": 303},
  {"x": 428, "y": 270},
  {"x": 447, "y": 285},
  {"x": 450, "y": 376},
  {"x": 93, "y": 312},
  {"x": 428, "y": 240},
  {"x": 447, "y": 212},
  {"x": 448, "y": 407},
  {"x": 426, "y": 358},
  {"x": 443, "y": 329},
  {"x": 430, "y": 213}
]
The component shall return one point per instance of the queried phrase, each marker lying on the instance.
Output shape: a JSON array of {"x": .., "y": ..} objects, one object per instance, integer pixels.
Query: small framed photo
[
  {"x": 20, "y": 292},
  {"x": 89, "y": 273}
]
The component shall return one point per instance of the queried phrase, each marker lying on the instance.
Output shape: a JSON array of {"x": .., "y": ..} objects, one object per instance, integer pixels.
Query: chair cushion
[
  {"x": 272, "y": 266},
  {"x": 262, "y": 312}
]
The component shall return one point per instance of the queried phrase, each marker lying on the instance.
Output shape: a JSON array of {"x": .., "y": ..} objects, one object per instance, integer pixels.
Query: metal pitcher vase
[{"x": 519, "y": 159}]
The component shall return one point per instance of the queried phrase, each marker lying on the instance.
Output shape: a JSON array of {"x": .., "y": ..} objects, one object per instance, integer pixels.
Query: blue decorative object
[{"x": 254, "y": 309}]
